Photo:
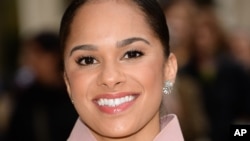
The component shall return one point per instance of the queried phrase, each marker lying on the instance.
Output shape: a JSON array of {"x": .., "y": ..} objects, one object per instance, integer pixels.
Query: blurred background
[{"x": 211, "y": 39}]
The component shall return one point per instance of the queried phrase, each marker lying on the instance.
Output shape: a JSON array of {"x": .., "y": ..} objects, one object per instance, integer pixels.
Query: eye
[
  {"x": 133, "y": 54},
  {"x": 86, "y": 60}
]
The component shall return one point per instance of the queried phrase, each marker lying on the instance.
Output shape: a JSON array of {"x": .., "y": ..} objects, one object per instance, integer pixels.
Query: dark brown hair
[{"x": 150, "y": 8}]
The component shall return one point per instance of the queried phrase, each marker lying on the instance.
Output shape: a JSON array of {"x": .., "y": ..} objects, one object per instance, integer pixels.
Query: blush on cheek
[{"x": 152, "y": 77}]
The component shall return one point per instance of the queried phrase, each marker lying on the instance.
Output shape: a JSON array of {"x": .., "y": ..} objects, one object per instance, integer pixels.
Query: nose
[{"x": 111, "y": 75}]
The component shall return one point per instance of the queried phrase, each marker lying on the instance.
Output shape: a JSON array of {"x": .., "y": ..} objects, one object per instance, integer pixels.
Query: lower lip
[{"x": 117, "y": 109}]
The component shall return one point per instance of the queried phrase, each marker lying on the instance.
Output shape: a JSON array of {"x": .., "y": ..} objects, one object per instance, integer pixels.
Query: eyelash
[
  {"x": 80, "y": 60},
  {"x": 90, "y": 60},
  {"x": 135, "y": 52}
]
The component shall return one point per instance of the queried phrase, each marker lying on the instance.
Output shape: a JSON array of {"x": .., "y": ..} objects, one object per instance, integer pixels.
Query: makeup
[{"x": 115, "y": 103}]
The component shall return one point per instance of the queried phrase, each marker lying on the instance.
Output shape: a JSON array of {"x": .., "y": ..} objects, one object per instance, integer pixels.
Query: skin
[{"x": 116, "y": 29}]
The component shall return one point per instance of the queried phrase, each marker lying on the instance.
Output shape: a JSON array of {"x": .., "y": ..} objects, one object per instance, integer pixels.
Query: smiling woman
[{"x": 116, "y": 62}]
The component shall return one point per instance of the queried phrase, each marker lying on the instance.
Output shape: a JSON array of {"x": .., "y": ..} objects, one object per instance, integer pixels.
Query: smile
[{"x": 115, "y": 102}]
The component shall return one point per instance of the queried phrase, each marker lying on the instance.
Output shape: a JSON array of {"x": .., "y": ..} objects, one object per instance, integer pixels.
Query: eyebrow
[
  {"x": 119, "y": 44},
  {"x": 130, "y": 41},
  {"x": 83, "y": 47}
]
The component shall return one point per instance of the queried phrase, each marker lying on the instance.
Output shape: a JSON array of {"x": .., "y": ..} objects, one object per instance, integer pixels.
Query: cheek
[
  {"x": 81, "y": 89},
  {"x": 150, "y": 76},
  {"x": 79, "y": 82},
  {"x": 80, "y": 85}
]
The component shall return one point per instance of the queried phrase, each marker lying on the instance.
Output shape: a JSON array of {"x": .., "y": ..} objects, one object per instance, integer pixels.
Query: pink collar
[{"x": 170, "y": 130}]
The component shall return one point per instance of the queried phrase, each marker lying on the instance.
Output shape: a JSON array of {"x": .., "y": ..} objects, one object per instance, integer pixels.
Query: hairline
[{"x": 133, "y": 3}]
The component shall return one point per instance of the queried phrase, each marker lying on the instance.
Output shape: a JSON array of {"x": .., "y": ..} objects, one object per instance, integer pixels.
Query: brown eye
[
  {"x": 133, "y": 54},
  {"x": 88, "y": 60}
]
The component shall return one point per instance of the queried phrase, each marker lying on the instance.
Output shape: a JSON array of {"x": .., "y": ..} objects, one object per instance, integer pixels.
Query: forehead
[
  {"x": 103, "y": 18},
  {"x": 112, "y": 7},
  {"x": 107, "y": 10}
]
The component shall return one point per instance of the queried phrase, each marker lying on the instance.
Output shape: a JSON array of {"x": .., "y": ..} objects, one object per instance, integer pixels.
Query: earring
[
  {"x": 72, "y": 101},
  {"x": 168, "y": 86}
]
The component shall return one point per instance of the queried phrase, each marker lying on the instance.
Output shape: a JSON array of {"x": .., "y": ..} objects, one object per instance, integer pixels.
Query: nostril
[
  {"x": 111, "y": 84},
  {"x": 118, "y": 83}
]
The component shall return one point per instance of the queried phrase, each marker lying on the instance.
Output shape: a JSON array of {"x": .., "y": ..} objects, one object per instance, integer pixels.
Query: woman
[{"x": 116, "y": 63}]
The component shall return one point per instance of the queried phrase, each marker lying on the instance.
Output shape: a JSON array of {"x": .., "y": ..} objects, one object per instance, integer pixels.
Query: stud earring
[
  {"x": 168, "y": 86},
  {"x": 72, "y": 101}
]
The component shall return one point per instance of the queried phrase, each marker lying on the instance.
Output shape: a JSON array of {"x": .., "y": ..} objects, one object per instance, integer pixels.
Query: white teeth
[{"x": 115, "y": 102}]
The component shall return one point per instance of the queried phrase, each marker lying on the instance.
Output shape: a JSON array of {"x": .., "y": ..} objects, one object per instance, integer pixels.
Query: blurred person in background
[
  {"x": 221, "y": 82},
  {"x": 180, "y": 16},
  {"x": 239, "y": 48},
  {"x": 186, "y": 100},
  {"x": 239, "y": 45},
  {"x": 42, "y": 110}
]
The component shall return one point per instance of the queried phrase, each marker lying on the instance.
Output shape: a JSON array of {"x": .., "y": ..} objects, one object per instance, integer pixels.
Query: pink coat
[{"x": 170, "y": 131}]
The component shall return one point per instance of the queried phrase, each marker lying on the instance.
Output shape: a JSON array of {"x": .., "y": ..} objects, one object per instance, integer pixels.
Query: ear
[
  {"x": 170, "y": 68},
  {"x": 66, "y": 80}
]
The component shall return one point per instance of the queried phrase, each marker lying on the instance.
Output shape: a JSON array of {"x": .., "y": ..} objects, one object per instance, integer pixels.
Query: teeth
[{"x": 115, "y": 102}]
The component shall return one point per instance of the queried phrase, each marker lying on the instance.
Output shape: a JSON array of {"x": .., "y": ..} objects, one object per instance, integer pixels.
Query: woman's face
[{"x": 115, "y": 69}]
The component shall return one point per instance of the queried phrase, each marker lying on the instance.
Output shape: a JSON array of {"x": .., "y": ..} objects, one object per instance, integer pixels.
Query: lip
[{"x": 117, "y": 108}]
